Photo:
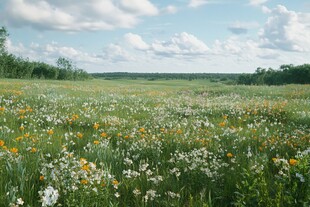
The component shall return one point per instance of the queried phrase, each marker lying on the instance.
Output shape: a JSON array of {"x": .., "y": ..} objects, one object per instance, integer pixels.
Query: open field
[{"x": 153, "y": 143}]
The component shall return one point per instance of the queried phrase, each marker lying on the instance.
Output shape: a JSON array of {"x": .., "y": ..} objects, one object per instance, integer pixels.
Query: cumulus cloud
[
  {"x": 116, "y": 53},
  {"x": 179, "y": 45},
  {"x": 242, "y": 27},
  {"x": 77, "y": 15},
  {"x": 257, "y": 2},
  {"x": 136, "y": 41},
  {"x": 197, "y": 3},
  {"x": 286, "y": 30},
  {"x": 170, "y": 9}
]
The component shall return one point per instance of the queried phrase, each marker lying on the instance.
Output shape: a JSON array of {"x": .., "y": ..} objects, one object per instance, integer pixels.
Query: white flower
[
  {"x": 49, "y": 197},
  {"x": 20, "y": 201}
]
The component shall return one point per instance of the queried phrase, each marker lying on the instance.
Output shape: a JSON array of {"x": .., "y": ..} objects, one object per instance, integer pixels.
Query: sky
[{"x": 177, "y": 36}]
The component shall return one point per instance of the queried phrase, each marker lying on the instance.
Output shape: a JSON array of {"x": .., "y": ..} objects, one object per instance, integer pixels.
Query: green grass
[{"x": 153, "y": 143}]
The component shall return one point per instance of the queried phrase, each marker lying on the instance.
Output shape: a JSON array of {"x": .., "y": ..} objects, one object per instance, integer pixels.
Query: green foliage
[
  {"x": 286, "y": 74},
  {"x": 22, "y": 68}
]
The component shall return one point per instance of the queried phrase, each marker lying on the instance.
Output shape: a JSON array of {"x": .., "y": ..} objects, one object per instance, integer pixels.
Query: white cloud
[
  {"x": 179, "y": 45},
  {"x": 197, "y": 3},
  {"x": 242, "y": 27},
  {"x": 286, "y": 30},
  {"x": 78, "y": 15},
  {"x": 116, "y": 53},
  {"x": 170, "y": 9},
  {"x": 257, "y": 2},
  {"x": 136, "y": 41}
]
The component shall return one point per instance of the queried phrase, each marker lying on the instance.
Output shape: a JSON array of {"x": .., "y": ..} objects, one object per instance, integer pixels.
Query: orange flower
[
  {"x": 2, "y": 108},
  {"x": 84, "y": 182},
  {"x": 50, "y": 132},
  {"x": 41, "y": 178},
  {"x": 14, "y": 150},
  {"x": 1, "y": 143},
  {"x": 229, "y": 155},
  {"x": 79, "y": 135},
  {"x": 222, "y": 124},
  {"x": 33, "y": 149},
  {"x": 142, "y": 130},
  {"x": 103, "y": 134},
  {"x": 86, "y": 168},
  {"x": 96, "y": 126},
  {"x": 26, "y": 135},
  {"x": 293, "y": 162},
  {"x": 96, "y": 142},
  {"x": 115, "y": 182}
]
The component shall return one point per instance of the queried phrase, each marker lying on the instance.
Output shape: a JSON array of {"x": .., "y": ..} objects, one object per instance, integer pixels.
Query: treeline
[
  {"x": 166, "y": 76},
  {"x": 286, "y": 74},
  {"x": 12, "y": 66}
]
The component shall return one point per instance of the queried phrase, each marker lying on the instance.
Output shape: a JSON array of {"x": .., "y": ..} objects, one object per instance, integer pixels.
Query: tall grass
[{"x": 153, "y": 143}]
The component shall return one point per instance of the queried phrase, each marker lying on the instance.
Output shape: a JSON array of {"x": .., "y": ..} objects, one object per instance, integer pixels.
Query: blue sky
[{"x": 225, "y": 36}]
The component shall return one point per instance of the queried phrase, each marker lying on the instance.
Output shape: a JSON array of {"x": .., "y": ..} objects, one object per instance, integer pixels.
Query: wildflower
[
  {"x": 293, "y": 162},
  {"x": 18, "y": 138},
  {"x": 274, "y": 159},
  {"x": 20, "y": 201},
  {"x": 117, "y": 195},
  {"x": 22, "y": 111},
  {"x": 33, "y": 149},
  {"x": 50, "y": 132},
  {"x": 26, "y": 135},
  {"x": 222, "y": 124},
  {"x": 115, "y": 182},
  {"x": 1, "y": 143},
  {"x": 84, "y": 182},
  {"x": 179, "y": 131},
  {"x": 83, "y": 161},
  {"x": 2, "y": 108},
  {"x": 229, "y": 155},
  {"x": 85, "y": 168},
  {"x": 142, "y": 130},
  {"x": 79, "y": 135},
  {"x": 96, "y": 142},
  {"x": 96, "y": 126},
  {"x": 14, "y": 150},
  {"x": 41, "y": 178},
  {"x": 225, "y": 117},
  {"x": 49, "y": 196},
  {"x": 126, "y": 137},
  {"x": 103, "y": 134},
  {"x": 21, "y": 128}
]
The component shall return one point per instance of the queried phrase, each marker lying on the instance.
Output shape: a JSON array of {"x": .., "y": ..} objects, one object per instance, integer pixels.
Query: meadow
[{"x": 153, "y": 143}]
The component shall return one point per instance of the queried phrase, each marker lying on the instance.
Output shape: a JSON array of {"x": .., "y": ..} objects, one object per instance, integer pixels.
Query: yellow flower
[
  {"x": 2, "y": 108},
  {"x": 79, "y": 135},
  {"x": 86, "y": 168},
  {"x": 84, "y": 182},
  {"x": 50, "y": 132},
  {"x": 21, "y": 128},
  {"x": 179, "y": 131},
  {"x": 22, "y": 111},
  {"x": 274, "y": 159},
  {"x": 115, "y": 182},
  {"x": 229, "y": 155},
  {"x": 142, "y": 130},
  {"x": 96, "y": 142},
  {"x": 33, "y": 149},
  {"x": 103, "y": 134},
  {"x": 96, "y": 126},
  {"x": 225, "y": 117},
  {"x": 26, "y": 135},
  {"x": 1, "y": 143},
  {"x": 293, "y": 162},
  {"x": 41, "y": 178},
  {"x": 14, "y": 150},
  {"x": 222, "y": 124},
  {"x": 18, "y": 138}
]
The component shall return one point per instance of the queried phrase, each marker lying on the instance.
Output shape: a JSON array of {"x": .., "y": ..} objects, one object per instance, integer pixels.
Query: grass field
[{"x": 153, "y": 143}]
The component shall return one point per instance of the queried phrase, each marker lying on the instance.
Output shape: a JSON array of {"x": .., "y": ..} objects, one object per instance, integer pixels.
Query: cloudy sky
[{"x": 224, "y": 36}]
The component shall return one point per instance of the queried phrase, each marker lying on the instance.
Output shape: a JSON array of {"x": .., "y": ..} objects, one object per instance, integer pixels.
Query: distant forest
[
  {"x": 21, "y": 68},
  {"x": 286, "y": 74}
]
